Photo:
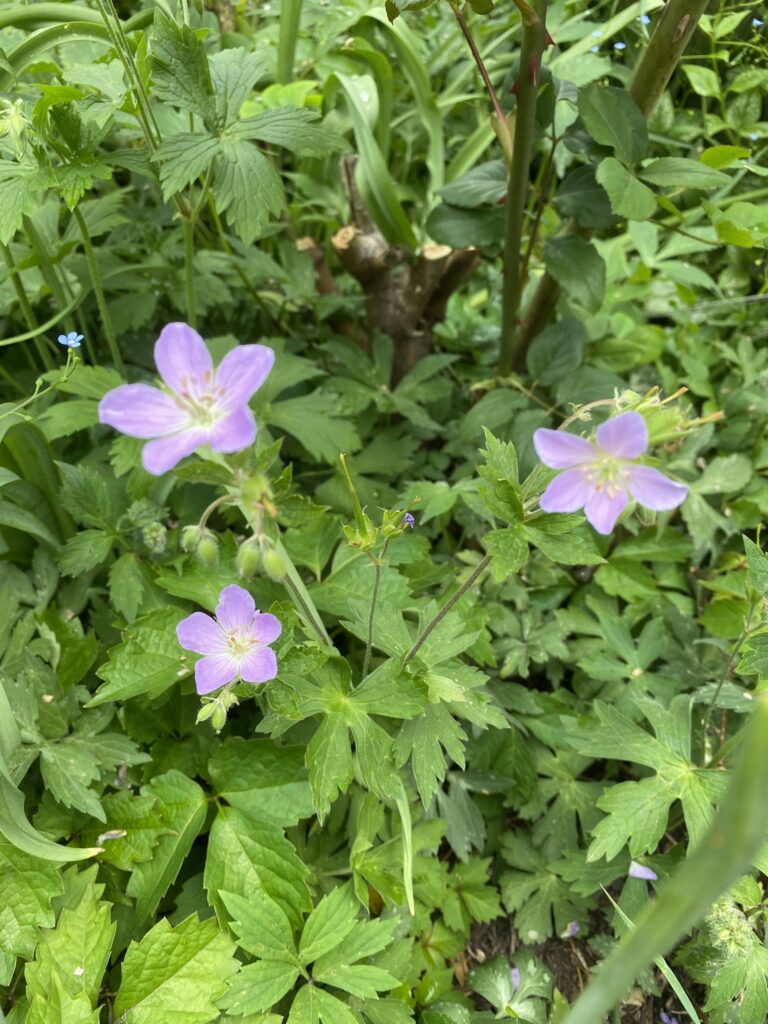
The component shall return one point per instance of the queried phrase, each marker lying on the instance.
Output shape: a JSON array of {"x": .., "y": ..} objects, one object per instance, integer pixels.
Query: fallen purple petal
[{"x": 641, "y": 871}]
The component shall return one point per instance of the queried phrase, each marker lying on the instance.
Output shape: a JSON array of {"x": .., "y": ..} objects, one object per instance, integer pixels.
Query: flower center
[
  {"x": 240, "y": 642},
  {"x": 201, "y": 399},
  {"x": 607, "y": 475}
]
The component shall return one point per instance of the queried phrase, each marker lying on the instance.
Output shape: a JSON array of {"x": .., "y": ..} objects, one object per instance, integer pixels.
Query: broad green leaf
[
  {"x": 313, "y": 1005},
  {"x": 59, "y": 1007},
  {"x": 234, "y": 72},
  {"x": 84, "y": 552},
  {"x": 460, "y": 227},
  {"x": 629, "y": 197},
  {"x": 148, "y": 661},
  {"x": 176, "y": 973},
  {"x": 361, "y": 980},
  {"x": 181, "y": 806},
  {"x": 578, "y": 268},
  {"x": 126, "y": 585},
  {"x": 485, "y": 183},
  {"x": 68, "y": 769},
  {"x": 613, "y": 119},
  {"x": 259, "y": 986},
  {"x": 314, "y": 420},
  {"x": 20, "y": 188},
  {"x": 261, "y": 926},
  {"x": 423, "y": 740},
  {"x": 293, "y": 128},
  {"x": 508, "y": 549},
  {"x": 329, "y": 756},
  {"x": 678, "y": 172},
  {"x": 246, "y": 187},
  {"x": 245, "y": 854},
  {"x": 77, "y": 950},
  {"x": 183, "y": 158},
  {"x": 260, "y": 776},
  {"x": 27, "y": 886},
  {"x": 135, "y": 826},
  {"x": 579, "y": 195},
  {"x": 329, "y": 923},
  {"x": 704, "y": 81},
  {"x": 180, "y": 73},
  {"x": 557, "y": 351}
]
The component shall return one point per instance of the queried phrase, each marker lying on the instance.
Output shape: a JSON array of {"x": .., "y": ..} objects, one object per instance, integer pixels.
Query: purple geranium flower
[
  {"x": 601, "y": 475},
  {"x": 234, "y": 643},
  {"x": 198, "y": 406},
  {"x": 408, "y": 520},
  {"x": 641, "y": 871}
]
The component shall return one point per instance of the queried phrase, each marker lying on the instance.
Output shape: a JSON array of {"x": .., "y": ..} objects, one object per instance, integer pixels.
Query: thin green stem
[
  {"x": 189, "y": 269},
  {"x": 532, "y": 47},
  {"x": 26, "y": 309},
  {"x": 312, "y": 620},
  {"x": 469, "y": 582},
  {"x": 377, "y": 563},
  {"x": 101, "y": 302}
]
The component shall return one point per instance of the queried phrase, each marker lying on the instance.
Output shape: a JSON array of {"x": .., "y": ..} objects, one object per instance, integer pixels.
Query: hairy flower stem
[
  {"x": 532, "y": 47},
  {"x": 476, "y": 573},
  {"x": 377, "y": 563},
  {"x": 670, "y": 37},
  {"x": 101, "y": 302}
]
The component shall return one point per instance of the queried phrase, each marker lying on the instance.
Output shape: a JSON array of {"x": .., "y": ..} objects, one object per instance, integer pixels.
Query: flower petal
[
  {"x": 235, "y": 609},
  {"x": 202, "y": 634},
  {"x": 568, "y": 492},
  {"x": 141, "y": 411},
  {"x": 624, "y": 436},
  {"x": 214, "y": 672},
  {"x": 266, "y": 628},
  {"x": 654, "y": 490},
  {"x": 182, "y": 359},
  {"x": 641, "y": 871},
  {"x": 235, "y": 431},
  {"x": 559, "y": 450},
  {"x": 241, "y": 372},
  {"x": 258, "y": 665},
  {"x": 163, "y": 453},
  {"x": 602, "y": 510}
]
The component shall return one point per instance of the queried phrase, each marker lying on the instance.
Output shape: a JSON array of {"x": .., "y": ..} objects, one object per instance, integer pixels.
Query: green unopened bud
[
  {"x": 248, "y": 558},
  {"x": 154, "y": 536},
  {"x": 207, "y": 551},
  {"x": 206, "y": 711},
  {"x": 219, "y": 716},
  {"x": 274, "y": 565},
  {"x": 256, "y": 489},
  {"x": 190, "y": 538}
]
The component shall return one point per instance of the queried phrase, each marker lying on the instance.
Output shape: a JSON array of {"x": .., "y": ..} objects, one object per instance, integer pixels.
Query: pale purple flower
[
  {"x": 234, "y": 644},
  {"x": 198, "y": 405},
  {"x": 571, "y": 929},
  {"x": 408, "y": 520},
  {"x": 641, "y": 871},
  {"x": 71, "y": 340},
  {"x": 666, "y": 1019},
  {"x": 602, "y": 475},
  {"x": 515, "y": 975}
]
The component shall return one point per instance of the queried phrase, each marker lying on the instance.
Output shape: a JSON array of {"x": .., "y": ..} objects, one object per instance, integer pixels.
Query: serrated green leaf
[
  {"x": 246, "y": 854},
  {"x": 314, "y": 421},
  {"x": 423, "y": 740},
  {"x": 83, "y": 552},
  {"x": 629, "y": 197},
  {"x": 259, "y": 986},
  {"x": 293, "y": 128},
  {"x": 258, "y": 773},
  {"x": 148, "y": 661},
  {"x": 20, "y": 188},
  {"x": 180, "y": 73},
  {"x": 578, "y": 268},
  {"x": 27, "y": 886},
  {"x": 329, "y": 923},
  {"x": 329, "y": 756},
  {"x": 76, "y": 951},
  {"x": 508, "y": 549},
  {"x": 59, "y": 1007},
  {"x": 246, "y": 187},
  {"x": 181, "y": 806},
  {"x": 183, "y": 158},
  {"x": 613, "y": 119},
  {"x": 679, "y": 172},
  {"x": 176, "y": 973},
  {"x": 361, "y": 980},
  {"x": 261, "y": 926}
]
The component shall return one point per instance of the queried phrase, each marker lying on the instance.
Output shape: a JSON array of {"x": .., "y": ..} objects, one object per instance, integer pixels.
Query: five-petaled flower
[
  {"x": 601, "y": 475},
  {"x": 198, "y": 406},
  {"x": 71, "y": 340},
  {"x": 234, "y": 644}
]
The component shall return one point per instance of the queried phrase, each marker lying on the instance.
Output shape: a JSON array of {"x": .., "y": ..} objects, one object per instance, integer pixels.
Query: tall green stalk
[
  {"x": 290, "y": 19},
  {"x": 27, "y": 311},
  {"x": 532, "y": 47},
  {"x": 101, "y": 302}
]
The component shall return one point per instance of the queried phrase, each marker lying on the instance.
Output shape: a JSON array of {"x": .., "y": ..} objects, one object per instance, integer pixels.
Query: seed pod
[
  {"x": 219, "y": 717},
  {"x": 274, "y": 565},
  {"x": 248, "y": 558}
]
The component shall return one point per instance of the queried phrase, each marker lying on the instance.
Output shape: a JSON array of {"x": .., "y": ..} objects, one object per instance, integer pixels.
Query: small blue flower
[
  {"x": 619, "y": 46},
  {"x": 757, "y": 23},
  {"x": 645, "y": 19},
  {"x": 71, "y": 340},
  {"x": 408, "y": 520}
]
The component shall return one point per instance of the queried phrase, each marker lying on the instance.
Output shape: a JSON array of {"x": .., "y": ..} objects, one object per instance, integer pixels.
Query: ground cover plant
[{"x": 383, "y": 628}]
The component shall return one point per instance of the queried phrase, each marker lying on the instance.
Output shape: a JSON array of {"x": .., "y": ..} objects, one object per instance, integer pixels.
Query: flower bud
[
  {"x": 190, "y": 538},
  {"x": 206, "y": 711},
  {"x": 154, "y": 536},
  {"x": 274, "y": 565},
  {"x": 207, "y": 550},
  {"x": 248, "y": 557},
  {"x": 256, "y": 489},
  {"x": 219, "y": 716}
]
